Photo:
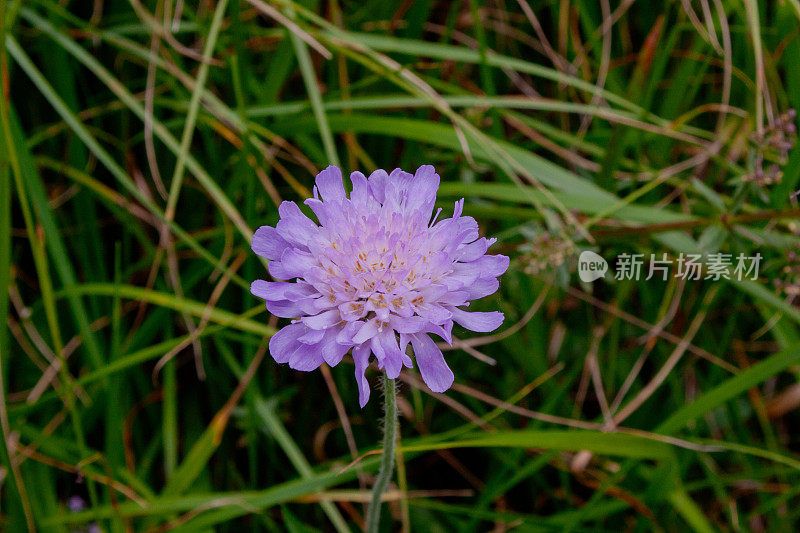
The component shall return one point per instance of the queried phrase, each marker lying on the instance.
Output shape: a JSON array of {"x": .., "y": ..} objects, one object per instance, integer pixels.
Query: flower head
[{"x": 374, "y": 275}]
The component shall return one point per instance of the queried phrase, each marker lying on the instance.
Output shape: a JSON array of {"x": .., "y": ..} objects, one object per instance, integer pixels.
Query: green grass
[{"x": 140, "y": 151}]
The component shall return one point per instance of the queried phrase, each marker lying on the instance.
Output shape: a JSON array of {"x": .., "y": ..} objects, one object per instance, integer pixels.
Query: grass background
[{"x": 144, "y": 141}]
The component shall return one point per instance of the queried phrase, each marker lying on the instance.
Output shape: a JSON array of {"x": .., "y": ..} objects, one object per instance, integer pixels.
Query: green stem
[{"x": 388, "y": 457}]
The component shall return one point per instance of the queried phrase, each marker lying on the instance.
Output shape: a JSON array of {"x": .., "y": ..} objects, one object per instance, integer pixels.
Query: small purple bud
[{"x": 76, "y": 504}]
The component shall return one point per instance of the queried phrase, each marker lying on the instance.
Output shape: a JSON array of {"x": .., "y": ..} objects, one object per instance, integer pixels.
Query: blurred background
[{"x": 144, "y": 140}]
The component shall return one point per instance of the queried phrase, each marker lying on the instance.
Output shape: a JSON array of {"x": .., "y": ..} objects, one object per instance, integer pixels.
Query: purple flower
[{"x": 374, "y": 275}]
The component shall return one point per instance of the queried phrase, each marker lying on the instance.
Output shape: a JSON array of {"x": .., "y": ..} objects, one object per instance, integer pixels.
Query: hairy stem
[{"x": 388, "y": 457}]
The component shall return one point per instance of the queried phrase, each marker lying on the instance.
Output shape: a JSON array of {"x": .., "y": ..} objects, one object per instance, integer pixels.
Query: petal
[
  {"x": 413, "y": 324},
  {"x": 323, "y": 320},
  {"x": 470, "y": 252},
  {"x": 305, "y": 358},
  {"x": 270, "y": 290},
  {"x": 332, "y": 352},
  {"x": 284, "y": 342},
  {"x": 485, "y": 267},
  {"x": 377, "y": 350},
  {"x": 313, "y": 306},
  {"x": 404, "y": 340},
  {"x": 268, "y": 243},
  {"x": 352, "y": 310},
  {"x": 377, "y": 184},
  {"x": 422, "y": 192},
  {"x": 294, "y": 226},
  {"x": 367, "y": 331},
  {"x": 361, "y": 195},
  {"x": 401, "y": 178},
  {"x": 433, "y": 292},
  {"x": 294, "y": 263},
  {"x": 330, "y": 184},
  {"x": 396, "y": 189},
  {"x": 492, "y": 265},
  {"x": 445, "y": 331},
  {"x": 436, "y": 314},
  {"x": 478, "y": 321},
  {"x": 312, "y": 336},
  {"x": 466, "y": 229},
  {"x": 435, "y": 372},
  {"x": 392, "y": 366},
  {"x": 345, "y": 336},
  {"x": 393, "y": 194},
  {"x": 456, "y": 297},
  {"x": 458, "y": 208},
  {"x": 284, "y": 308},
  {"x": 277, "y": 271},
  {"x": 260, "y": 288},
  {"x": 322, "y": 210},
  {"x": 361, "y": 358},
  {"x": 300, "y": 290},
  {"x": 393, "y": 358},
  {"x": 481, "y": 288}
]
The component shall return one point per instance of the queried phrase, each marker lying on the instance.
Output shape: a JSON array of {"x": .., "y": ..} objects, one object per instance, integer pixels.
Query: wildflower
[
  {"x": 546, "y": 252},
  {"x": 778, "y": 140},
  {"x": 790, "y": 284},
  {"x": 374, "y": 275}
]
